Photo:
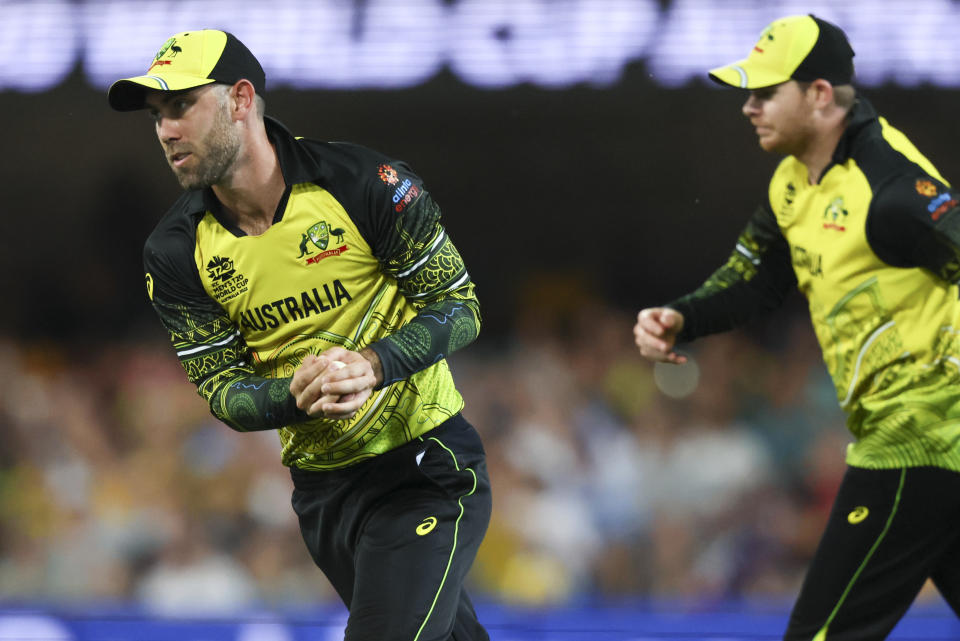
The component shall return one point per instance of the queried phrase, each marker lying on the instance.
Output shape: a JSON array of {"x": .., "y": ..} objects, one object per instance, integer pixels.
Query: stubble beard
[
  {"x": 793, "y": 140},
  {"x": 215, "y": 157}
]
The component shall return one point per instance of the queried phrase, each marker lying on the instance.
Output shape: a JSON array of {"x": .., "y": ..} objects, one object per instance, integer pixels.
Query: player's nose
[{"x": 167, "y": 130}]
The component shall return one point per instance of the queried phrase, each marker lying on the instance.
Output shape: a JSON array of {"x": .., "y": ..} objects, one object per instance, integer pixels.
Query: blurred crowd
[{"x": 611, "y": 477}]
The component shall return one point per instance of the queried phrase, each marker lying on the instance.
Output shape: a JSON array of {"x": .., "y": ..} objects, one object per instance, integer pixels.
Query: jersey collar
[
  {"x": 861, "y": 116},
  {"x": 296, "y": 164}
]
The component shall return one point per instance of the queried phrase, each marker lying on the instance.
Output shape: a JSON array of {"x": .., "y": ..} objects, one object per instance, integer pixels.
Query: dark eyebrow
[{"x": 173, "y": 95}]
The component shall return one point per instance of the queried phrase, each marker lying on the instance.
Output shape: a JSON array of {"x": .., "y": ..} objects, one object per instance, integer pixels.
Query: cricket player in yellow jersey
[
  {"x": 865, "y": 226},
  {"x": 309, "y": 288}
]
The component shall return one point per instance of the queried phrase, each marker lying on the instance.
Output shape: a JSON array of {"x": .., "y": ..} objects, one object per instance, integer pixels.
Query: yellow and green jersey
[
  {"x": 356, "y": 257},
  {"x": 875, "y": 248}
]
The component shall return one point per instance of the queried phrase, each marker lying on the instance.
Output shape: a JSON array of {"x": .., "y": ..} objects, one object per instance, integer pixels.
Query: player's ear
[
  {"x": 821, "y": 92},
  {"x": 242, "y": 98}
]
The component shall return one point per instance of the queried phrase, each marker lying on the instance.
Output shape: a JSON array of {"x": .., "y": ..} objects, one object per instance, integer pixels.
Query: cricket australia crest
[{"x": 319, "y": 233}]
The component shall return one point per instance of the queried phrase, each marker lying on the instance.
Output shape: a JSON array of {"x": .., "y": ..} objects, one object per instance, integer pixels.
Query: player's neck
[
  {"x": 252, "y": 193},
  {"x": 818, "y": 153}
]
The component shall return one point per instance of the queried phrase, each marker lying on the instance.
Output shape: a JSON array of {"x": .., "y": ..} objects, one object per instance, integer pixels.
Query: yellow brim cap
[
  {"x": 188, "y": 60},
  {"x": 795, "y": 47}
]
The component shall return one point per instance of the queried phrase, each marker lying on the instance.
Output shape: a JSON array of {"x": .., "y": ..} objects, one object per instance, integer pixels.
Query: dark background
[{"x": 630, "y": 194}]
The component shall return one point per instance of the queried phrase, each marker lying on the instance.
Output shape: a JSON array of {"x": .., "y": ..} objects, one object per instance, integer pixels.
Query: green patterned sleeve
[
  {"x": 212, "y": 351},
  {"x": 755, "y": 279},
  {"x": 432, "y": 275}
]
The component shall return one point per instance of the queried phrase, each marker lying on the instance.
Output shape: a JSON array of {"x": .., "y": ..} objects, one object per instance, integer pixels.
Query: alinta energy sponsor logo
[
  {"x": 941, "y": 204},
  {"x": 835, "y": 215},
  {"x": 319, "y": 234},
  {"x": 318, "y": 300},
  {"x": 227, "y": 283},
  {"x": 405, "y": 194}
]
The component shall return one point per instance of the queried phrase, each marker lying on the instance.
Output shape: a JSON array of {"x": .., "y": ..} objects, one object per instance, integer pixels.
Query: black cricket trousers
[
  {"x": 888, "y": 532},
  {"x": 397, "y": 533}
]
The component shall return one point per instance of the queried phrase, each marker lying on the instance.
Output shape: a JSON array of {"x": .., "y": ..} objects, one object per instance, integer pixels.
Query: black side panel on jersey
[
  {"x": 914, "y": 221},
  {"x": 169, "y": 263}
]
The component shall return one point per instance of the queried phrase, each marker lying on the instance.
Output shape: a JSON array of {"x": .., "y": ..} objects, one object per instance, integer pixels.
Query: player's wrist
[{"x": 374, "y": 359}]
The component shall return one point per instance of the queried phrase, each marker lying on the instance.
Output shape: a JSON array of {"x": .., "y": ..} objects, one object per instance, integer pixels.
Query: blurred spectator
[{"x": 193, "y": 577}]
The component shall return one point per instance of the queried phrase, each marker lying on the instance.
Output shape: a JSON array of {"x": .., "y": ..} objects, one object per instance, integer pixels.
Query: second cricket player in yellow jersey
[
  {"x": 872, "y": 249},
  {"x": 869, "y": 231}
]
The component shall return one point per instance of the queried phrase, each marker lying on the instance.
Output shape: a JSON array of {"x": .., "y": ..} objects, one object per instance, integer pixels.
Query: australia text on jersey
[{"x": 293, "y": 308}]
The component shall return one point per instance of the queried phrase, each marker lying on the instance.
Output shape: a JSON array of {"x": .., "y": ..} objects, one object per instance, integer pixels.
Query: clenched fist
[
  {"x": 334, "y": 384},
  {"x": 656, "y": 333}
]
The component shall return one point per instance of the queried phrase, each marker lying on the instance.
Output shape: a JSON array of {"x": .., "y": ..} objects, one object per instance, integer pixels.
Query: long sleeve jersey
[
  {"x": 874, "y": 246},
  {"x": 356, "y": 257}
]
